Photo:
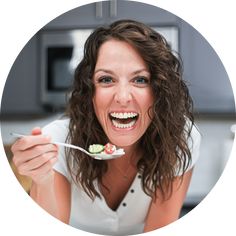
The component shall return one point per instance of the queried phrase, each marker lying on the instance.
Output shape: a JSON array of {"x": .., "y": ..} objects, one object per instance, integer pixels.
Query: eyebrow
[
  {"x": 103, "y": 70},
  {"x": 111, "y": 72},
  {"x": 140, "y": 70}
]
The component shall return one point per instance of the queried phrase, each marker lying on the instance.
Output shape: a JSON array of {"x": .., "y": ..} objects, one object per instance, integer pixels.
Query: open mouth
[{"x": 123, "y": 120}]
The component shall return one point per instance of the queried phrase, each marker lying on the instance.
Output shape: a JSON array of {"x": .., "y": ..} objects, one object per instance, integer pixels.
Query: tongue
[{"x": 124, "y": 121}]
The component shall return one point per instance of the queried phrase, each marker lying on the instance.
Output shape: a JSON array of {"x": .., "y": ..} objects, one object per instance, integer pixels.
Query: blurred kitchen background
[{"x": 35, "y": 89}]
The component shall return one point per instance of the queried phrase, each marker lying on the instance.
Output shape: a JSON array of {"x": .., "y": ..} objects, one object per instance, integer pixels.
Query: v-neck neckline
[{"x": 102, "y": 201}]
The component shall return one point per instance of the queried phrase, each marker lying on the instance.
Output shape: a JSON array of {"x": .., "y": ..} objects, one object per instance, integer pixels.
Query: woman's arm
[
  {"x": 34, "y": 156},
  {"x": 54, "y": 196},
  {"x": 162, "y": 213}
]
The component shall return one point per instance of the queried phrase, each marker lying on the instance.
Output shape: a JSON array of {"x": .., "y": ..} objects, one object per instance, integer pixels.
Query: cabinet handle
[
  {"x": 98, "y": 9},
  {"x": 113, "y": 8}
]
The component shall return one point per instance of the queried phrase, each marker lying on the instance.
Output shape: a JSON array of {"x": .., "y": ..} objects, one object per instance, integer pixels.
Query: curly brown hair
[{"x": 165, "y": 142}]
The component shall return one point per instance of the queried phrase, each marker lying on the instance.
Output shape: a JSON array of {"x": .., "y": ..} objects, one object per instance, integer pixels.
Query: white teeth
[
  {"x": 123, "y": 126},
  {"x": 124, "y": 115}
]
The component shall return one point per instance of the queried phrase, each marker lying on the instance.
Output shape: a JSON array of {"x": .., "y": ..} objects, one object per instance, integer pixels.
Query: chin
[{"x": 123, "y": 141}]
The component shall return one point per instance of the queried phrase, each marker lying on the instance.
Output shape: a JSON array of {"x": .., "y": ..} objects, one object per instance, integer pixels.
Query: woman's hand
[{"x": 34, "y": 156}]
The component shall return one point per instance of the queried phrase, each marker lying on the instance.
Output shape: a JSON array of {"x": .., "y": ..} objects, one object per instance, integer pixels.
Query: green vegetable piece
[{"x": 96, "y": 148}]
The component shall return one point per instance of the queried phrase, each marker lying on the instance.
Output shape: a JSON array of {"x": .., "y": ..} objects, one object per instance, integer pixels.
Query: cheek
[
  {"x": 101, "y": 101},
  {"x": 146, "y": 100},
  {"x": 146, "y": 104}
]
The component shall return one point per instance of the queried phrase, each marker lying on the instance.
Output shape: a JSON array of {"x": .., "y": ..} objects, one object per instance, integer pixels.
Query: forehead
[
  {"x": 112, "y": 45},
  {"x": 117, "y": 52}
]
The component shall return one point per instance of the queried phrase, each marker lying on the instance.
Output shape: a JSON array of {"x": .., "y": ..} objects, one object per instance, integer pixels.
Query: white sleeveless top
[{"x": 96, "y": 216}]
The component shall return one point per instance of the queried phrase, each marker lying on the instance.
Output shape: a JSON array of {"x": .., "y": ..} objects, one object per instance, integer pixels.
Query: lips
[{"x": 123, "y": 120}]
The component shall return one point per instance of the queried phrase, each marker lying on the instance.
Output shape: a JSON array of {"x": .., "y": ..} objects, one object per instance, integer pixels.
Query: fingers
[
  {"x": 21, "y": 156},
  {"x": 39, "y": 165},
  {"x": 34, "y": 155},
  {"x": 30, "y": 141},
  {"x": 41, "y": 174}
]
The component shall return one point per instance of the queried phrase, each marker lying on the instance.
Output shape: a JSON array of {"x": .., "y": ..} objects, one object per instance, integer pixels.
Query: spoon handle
[
  {"x": 17, "y": 135},
  {"x": 72, "y": 146}
]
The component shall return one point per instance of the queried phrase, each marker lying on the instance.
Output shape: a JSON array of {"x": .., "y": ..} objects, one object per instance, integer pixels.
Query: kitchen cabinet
[
  {"x": 82, "y": 17},
  {"x": 105, "y": 12},
  {"x": 205, "y": 74},
  {"x": 21, "y": 91}
]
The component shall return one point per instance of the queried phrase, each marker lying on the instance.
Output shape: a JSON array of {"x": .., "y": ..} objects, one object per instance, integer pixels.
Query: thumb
[{"x": 36, "y": 131}]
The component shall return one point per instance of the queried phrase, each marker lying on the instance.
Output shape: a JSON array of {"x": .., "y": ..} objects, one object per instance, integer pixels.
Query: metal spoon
[{"x": 100, "y": 156}]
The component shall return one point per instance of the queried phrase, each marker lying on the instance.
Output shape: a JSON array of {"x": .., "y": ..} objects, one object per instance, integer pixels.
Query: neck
[{"x": 130, "y": 158}]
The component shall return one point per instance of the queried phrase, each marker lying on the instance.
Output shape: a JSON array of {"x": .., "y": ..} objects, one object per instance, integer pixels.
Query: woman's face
[{"x": 123, "y": 94}]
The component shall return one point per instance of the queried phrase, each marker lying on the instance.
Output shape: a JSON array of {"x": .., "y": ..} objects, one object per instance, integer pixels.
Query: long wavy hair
[{"x": 165, "y": 142}]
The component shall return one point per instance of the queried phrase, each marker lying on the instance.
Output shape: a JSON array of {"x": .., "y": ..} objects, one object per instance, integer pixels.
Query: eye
[
  {"x": 105, "y": 80},
  {"x": 141, "y": 81}
]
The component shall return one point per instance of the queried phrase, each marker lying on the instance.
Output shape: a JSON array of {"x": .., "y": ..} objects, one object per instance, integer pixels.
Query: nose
[{"x": 123, "y": 94}]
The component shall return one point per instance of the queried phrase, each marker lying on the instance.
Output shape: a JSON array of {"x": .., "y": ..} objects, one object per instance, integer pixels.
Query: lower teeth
[{"x": 123, "y": 126}]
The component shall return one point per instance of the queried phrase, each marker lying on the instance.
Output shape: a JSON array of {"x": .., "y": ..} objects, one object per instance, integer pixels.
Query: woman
[{"x": 128, "y": 90}]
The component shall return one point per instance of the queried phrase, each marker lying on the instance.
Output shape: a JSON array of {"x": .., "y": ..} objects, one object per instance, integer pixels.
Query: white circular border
[{"x": 20, "y": 20}]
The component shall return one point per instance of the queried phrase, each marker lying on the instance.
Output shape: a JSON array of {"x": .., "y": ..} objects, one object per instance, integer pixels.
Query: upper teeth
[{"x": 124, "y": 115}]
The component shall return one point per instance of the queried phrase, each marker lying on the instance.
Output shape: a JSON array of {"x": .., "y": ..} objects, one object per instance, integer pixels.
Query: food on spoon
[
  {"x": 99, "y": 148},
  {"x": 109, "y": 148},
  {"x": 96, "y": 148}
]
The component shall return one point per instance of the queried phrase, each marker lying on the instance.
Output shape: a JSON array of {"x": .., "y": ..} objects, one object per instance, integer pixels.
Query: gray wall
[{"x": 208, "y": 81}]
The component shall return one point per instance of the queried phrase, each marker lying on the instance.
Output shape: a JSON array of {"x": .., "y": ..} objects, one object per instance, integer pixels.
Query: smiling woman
[
  {"x": 122, "y": 77},
  {"x": 128, "y": 91}
]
